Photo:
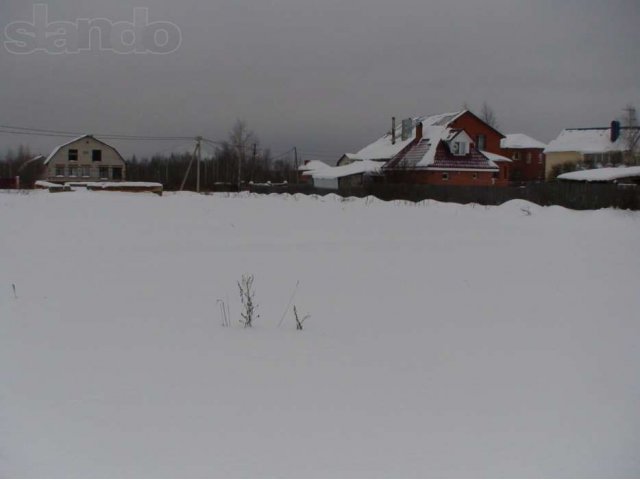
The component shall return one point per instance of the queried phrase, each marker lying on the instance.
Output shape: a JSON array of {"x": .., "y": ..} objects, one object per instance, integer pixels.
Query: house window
[
  {"x": 445, "y": 176},
  {"x": 459, "y": 148},
  {"x": 540, "y": 158},
  {"x": 475, "y": 175},
  {"x": 86, "y": 170},
  {"x": 59, "y": 170},
  {"x": 73, "y": 171},
  {"x": 103, "y": 172},
  {"x": 481, "y": 141},
  {"x": 528, "y": 158},
  {"x": 72, "y": 155},
  {"x": 96, "y": 155},
  {"x": 116, "y": 173},
  {"x": 516, "y": 155}
]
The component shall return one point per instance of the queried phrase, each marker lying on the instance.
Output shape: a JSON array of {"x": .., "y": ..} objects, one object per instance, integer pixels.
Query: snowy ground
[{"x": 445, "y": 340}]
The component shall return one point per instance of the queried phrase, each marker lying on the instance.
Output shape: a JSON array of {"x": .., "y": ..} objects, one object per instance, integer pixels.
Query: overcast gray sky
[{"x": 327, "y": 75}]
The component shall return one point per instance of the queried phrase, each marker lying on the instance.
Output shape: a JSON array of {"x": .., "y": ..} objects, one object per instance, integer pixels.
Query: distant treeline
[{"x": 227, "y": 167}]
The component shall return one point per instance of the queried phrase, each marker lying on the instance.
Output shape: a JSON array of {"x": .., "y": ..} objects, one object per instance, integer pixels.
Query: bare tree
[
  {"x": 242, "y": 140},
  {"x": 488, "y": 116}
]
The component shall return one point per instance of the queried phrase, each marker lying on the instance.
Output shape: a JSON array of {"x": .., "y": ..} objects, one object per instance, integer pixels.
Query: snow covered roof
[
  {"x": 45, "y": 184},
  {"x": 57, "y": 149},
  {"x": 355, "y": 168},
  {"x": 520, "y": 140},
  {"x": 494, "y": 157},
  {"x": 384, "y": 149},
  {"x": 313, "y": 165},
  {"x": 601, "y": 174},
  {"x": 433, "y": 135},
  {"x": 425, "y": 154},
  {"x": 440, "y": 120},
  {"x": 586, "y": 140}
]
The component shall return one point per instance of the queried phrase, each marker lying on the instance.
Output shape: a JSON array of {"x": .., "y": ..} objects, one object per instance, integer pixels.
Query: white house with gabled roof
[{"x": 84, "y": 159}]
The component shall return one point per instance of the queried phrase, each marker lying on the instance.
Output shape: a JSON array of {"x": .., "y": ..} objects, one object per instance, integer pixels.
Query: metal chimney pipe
[
  {"x": 614, "y": 132},
  {"x": 393, "y": 130}
]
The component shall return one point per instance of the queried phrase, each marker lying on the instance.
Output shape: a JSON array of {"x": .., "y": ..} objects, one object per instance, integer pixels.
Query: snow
[
  {"x": 442, "y": 119},
  {"x": 384, "y": 149},
  {"x": 520, "y": 140},
  {"x": 355, "y": 168},
  {"x": 586, "y": 140},
  {"x": 444, "y": 340},
  {"x": 433, "y": 135},
  {"x": 312, "y": 165},
  {"x": 601, "y": 174},
  {"x": 124, "y": 184},
  {"x": 45, "y": 184},
  {"x": 494, "y": 157}
]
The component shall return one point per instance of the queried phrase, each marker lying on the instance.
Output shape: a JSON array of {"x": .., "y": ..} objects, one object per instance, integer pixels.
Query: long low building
[{"x": 604, "y": 175}]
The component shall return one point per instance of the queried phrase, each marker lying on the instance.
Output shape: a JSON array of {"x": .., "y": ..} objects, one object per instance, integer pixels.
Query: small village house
[
  {"x": 348, "y": 173},
  {"x": 527, "y": 155},
  {"x": 84, "y": 159},
  {"x": 589, "y": 148}
]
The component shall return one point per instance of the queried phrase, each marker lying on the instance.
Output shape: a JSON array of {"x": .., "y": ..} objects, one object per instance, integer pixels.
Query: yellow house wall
[{"x": 558, "y": 158}]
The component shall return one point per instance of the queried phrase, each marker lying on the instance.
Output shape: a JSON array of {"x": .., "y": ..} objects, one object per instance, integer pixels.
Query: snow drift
[{"x": 444, "y": 340}]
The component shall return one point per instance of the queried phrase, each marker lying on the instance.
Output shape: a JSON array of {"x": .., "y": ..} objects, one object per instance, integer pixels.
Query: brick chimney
[{"x": 419, "y": 131}]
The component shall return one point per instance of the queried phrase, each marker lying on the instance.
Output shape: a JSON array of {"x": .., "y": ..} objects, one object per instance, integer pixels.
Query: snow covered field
[{"x": 444, "y": 340}]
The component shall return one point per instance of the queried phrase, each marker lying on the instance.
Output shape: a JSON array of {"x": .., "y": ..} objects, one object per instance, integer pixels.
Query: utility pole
[
  {"x": 295, "y": 162},
  {"x": 198, "y": 140},
  {"x": 631, "y": 119},
  {"x": 196, "y": 151},
  {"x": 253, "y": 160},
  {"x": 240, "y": 159}
]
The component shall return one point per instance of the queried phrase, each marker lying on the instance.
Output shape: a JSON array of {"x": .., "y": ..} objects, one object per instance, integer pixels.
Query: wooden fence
[{"x": 577, "y": 196}]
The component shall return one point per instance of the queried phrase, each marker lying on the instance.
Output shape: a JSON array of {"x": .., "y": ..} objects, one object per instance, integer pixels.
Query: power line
[
  {"x": 35, "y": 134},
  {"x": 288, "y": 152},
  {"x": 42, "y": 132},
  {"x": 39, "y": 130},
  {"x": 17, "y": 130}
]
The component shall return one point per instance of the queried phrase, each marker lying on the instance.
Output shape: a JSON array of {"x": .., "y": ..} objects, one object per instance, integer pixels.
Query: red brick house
[
  {"x": 441, "y": 150},
  {"x": 484, "y": 136},
  {"x": 527, "y": 155}
]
